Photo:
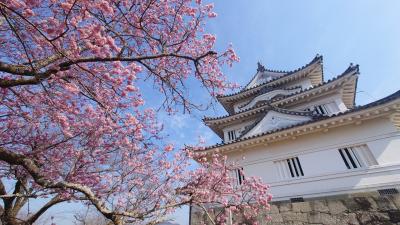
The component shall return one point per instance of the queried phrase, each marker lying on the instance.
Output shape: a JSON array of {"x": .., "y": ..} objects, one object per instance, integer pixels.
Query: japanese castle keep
[{"x": 327, "y": 160}]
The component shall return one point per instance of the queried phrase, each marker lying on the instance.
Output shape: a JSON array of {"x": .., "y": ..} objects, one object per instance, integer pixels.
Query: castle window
[
  {"x": 289, "y": 168},
  {"x": 231, "y": 135},
  {"x": 239, "y": 175},
  {"x": 295, "y": 167},
  {"x": 321, "y": 110},
  {"x": 318, "y": 109},
  {"x": 357, "y": 157},
  {"x": 349, "y": 158}
]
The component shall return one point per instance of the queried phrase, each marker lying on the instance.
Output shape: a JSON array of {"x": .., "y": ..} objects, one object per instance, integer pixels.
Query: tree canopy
[{"x": 74, "y": 125}]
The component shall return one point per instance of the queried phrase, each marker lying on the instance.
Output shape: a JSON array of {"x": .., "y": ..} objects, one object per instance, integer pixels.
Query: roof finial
[{"x": 260, "y": 68}]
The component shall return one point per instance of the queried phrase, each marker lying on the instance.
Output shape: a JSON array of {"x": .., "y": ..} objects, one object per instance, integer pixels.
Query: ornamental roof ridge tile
[
  {"x": 354, "y": 68},
  {"x": 384, "y": 100},
  {"x": 262, "y": 68},
  {"x": 226, "y": 116},
  {"x": 291, "y": 112},
  {"x": 287, "y": 73}
]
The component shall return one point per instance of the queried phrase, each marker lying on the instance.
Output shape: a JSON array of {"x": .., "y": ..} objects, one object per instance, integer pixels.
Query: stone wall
[{"x": 356, "y": 209}]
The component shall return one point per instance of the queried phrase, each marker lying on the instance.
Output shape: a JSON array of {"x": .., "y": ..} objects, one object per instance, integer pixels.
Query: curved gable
[
  {"x": 263, "y": 76},
  {"x": 274, "y": 120}
]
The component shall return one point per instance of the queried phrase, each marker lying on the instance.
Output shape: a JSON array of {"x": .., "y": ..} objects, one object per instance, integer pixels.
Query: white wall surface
[
  {"x": 314, "y": 164},
  {"x": 324, "y": 169},
  {"x": 386, "y": 151},
  {"x": 338, "y": 183}
]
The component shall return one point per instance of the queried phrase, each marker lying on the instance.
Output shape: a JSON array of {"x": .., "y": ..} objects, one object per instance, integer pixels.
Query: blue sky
[{"x": 285, "y": 35}]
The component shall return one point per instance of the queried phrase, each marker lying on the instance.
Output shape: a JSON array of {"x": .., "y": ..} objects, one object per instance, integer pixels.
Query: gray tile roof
[
  {"x": 286, "y": 74},
  {"x": 351, "y": 68},
  {"x": 382, "y": 101}
]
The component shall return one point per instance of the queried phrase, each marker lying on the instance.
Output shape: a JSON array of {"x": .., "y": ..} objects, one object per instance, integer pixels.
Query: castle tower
[{"x": 306, "y": 137}]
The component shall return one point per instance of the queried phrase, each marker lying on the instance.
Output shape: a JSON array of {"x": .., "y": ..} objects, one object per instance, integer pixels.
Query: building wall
[{"x": 324, "y": 170}]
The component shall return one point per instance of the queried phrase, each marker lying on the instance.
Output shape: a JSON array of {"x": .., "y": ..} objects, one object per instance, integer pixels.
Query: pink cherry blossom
[{"x": 74, "y": 124}]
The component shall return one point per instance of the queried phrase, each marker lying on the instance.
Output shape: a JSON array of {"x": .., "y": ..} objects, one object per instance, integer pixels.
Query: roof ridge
[
  {"x": 262, "y": 68},
  {"x": 291, "y": 112},
  {"x": 286, "y": 73}
]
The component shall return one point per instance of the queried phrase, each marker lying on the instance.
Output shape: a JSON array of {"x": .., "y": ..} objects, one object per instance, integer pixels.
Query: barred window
[
  {"x": 321, "y": 110},
  {"x": 239, "y": 175},
  {"x": 231, "y": 135},
  {"x": 357, "y": 157},
  {"x": 289, "y": 168}
]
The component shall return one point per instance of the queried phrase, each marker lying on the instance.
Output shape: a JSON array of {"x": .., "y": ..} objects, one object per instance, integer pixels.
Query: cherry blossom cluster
[{"x": 73, "y": 120}]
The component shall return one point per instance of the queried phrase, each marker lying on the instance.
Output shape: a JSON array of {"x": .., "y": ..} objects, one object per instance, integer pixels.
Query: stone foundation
[{"x": 355, "y": 209}]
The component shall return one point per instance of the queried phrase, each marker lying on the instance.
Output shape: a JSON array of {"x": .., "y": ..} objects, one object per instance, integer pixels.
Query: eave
[
  {"x": 347, "y": 82},
  {"x": 386, "y": 107},
  {"x": 347, "y": 79},
  {"x": 257, "y": 115},
  {"x": 219, "y": 126},
  {"x": 314, "y": 70},
  {"x": 307, "y": 114}
]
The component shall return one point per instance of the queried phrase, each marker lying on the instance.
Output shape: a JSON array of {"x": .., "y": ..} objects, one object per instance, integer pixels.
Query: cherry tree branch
[
  {"x": 55, "y": 200},
  {"x": 40, "y": 76},
  {"x": 30, "y": 166}
]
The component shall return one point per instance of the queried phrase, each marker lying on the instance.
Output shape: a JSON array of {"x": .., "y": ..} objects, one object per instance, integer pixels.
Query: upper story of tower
[
  {"x": 267, "y": 84},
  {"x": 276, "y": 99}
]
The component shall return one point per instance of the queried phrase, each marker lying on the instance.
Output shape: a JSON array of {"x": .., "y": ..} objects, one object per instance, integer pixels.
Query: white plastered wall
[{"x": 324, "y": 170}]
